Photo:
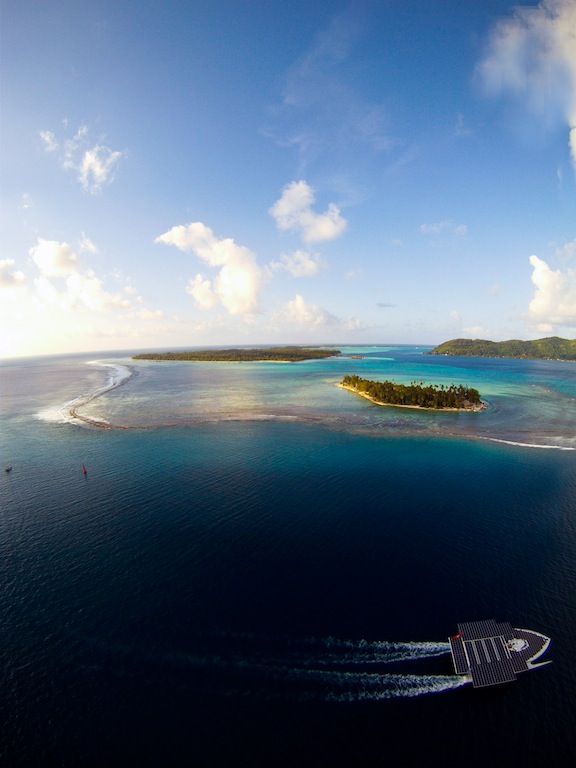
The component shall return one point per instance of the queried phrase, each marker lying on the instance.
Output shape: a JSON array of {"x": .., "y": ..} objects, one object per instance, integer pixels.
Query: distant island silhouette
[
  {"x": 551, "y": 348},
  {"x": 290, "y": 354}
]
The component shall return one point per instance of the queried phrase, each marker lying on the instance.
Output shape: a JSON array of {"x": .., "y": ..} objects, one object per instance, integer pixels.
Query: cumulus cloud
[
  {"x": 94, "y": 164},
  {"x": 293, "y": 211},
  {"x": 87, "y": 291},
  {"x": 299, "y": 264},
  {"x": 532, "y": 55},
  {"x": 448, "y": 226},
  {"x": 69, "y": 284},
  {"x": 554, "y": 301},
  {"x": 238, "y": 281},
  {"x": 80, "y": 292},
  {"x": 10, "y": 278},
  {"x": 298, "y": 312},
  {"x": 202, "y": 293},
  {"x": 54, "y": 259}
]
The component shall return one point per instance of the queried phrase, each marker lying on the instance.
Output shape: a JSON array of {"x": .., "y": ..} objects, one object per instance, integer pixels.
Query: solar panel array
[
  {"x": 461, "y": 665},
  {"x": 480, "y": 650},
  {"x": 490, "y": 662}
]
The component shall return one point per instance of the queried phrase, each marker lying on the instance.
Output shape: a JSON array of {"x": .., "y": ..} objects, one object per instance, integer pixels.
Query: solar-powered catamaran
[{"x": 490, "y": 653}]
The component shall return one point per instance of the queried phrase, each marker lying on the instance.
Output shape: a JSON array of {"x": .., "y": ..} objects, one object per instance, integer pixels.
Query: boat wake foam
[{"x": 326, "y": 669}]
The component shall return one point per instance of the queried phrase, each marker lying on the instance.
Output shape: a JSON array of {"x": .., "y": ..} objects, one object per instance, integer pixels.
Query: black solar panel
[{"x": 492, "y": 653}]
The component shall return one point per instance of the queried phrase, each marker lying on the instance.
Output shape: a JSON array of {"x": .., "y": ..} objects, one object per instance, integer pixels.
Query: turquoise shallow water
[
  {"x": 530, "y": 402},
  {"x": 264, "y": 569}
]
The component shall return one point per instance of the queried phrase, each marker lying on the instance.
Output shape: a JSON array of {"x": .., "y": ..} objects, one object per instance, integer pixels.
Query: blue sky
[{"x": 187, "y": 173}]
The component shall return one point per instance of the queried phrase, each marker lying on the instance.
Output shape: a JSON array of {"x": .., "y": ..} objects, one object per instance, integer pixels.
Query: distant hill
[{"x": 551, "y": 348}]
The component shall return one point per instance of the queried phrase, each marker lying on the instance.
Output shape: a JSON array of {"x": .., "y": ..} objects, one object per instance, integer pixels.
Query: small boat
[
  {"x": 84, "y": 470},
  {"x": 9, "y": 469}
]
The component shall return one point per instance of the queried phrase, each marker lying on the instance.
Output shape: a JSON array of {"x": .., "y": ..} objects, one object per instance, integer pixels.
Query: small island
[
  {"x": 243, "y": 355},
  {"x": 551, "y": 348},
  {"x": 416, "y": 395}
]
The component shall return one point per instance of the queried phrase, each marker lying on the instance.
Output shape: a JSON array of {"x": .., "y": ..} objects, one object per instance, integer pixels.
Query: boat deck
[{"x": 492, "y": 653}]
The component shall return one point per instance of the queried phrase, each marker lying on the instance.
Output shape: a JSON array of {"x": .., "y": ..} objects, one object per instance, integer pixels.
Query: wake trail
[
  {"x": 332, "y": 651},
  {"x": 320, "y": 669}
]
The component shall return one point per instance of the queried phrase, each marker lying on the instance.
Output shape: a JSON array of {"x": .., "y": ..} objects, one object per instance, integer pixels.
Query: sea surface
[{"x": 262, "y": 569}]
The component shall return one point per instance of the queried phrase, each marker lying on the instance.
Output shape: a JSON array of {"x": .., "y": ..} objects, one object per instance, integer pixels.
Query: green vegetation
[
  {"x": 552, "y": 348},
  {"x": 274, "y": 354},
  {"x": 415, "y": 395}
]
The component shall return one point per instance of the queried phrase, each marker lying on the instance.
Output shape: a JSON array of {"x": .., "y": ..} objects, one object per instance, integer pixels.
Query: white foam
[
  {"x": 65, "y": 413},
  {"x": 404, "y": 686},
  {"x": 529, "y": 445}
]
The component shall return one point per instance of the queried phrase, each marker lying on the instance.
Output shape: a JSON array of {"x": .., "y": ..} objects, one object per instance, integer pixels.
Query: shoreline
[{"x": 473, "y": 409}]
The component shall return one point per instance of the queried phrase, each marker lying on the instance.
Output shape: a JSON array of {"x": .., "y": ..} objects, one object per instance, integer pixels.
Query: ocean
[{"x": 260, "y": 568}]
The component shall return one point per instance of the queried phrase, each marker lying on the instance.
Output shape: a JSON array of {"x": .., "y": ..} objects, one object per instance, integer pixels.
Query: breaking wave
[
  {"x": 529, "y": 445},
  {"x": 68, "y": 413}
]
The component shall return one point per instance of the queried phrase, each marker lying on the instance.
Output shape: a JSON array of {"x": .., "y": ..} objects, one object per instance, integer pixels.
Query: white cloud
[
  {"x": 300, "y": 313},
  {"x": 299, "y": 264},
  {"x": 85, "y": 245},
  {"x": 478, "y": 331},
  {"x": 73, "y": 147},
  {"x": 532, "y": 54},
  {"x": 80, "y": 292},
  {"x": 554, "y": 301},
  {"x": 293, "y": 211},
  {"x": 88, "y": 291},
  {"x": 238, "y": 282},
  {"x": 97, "y": 166},
  {"x": 567, "y": 252},
  {"x": 10, "y": 278},
  {"x": 94, "y": 165},
  {"x": 54, "y": 259},
  {"x": 201, "y": 291},
  {"x": 49, "y": 140},
  {"x": 448, "y": 226},
  {"x": 65, "y": 282}
]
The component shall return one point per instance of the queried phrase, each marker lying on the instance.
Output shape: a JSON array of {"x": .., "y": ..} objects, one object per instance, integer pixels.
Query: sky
[{"x": 244, "y": 172}]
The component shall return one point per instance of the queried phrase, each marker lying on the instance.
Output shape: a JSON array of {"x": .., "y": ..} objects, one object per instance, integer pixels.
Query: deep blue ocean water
[{"x": 262, "y": 569}]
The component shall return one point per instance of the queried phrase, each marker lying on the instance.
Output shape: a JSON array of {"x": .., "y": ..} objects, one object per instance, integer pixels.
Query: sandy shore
[{"x": 473, "y": 409}]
